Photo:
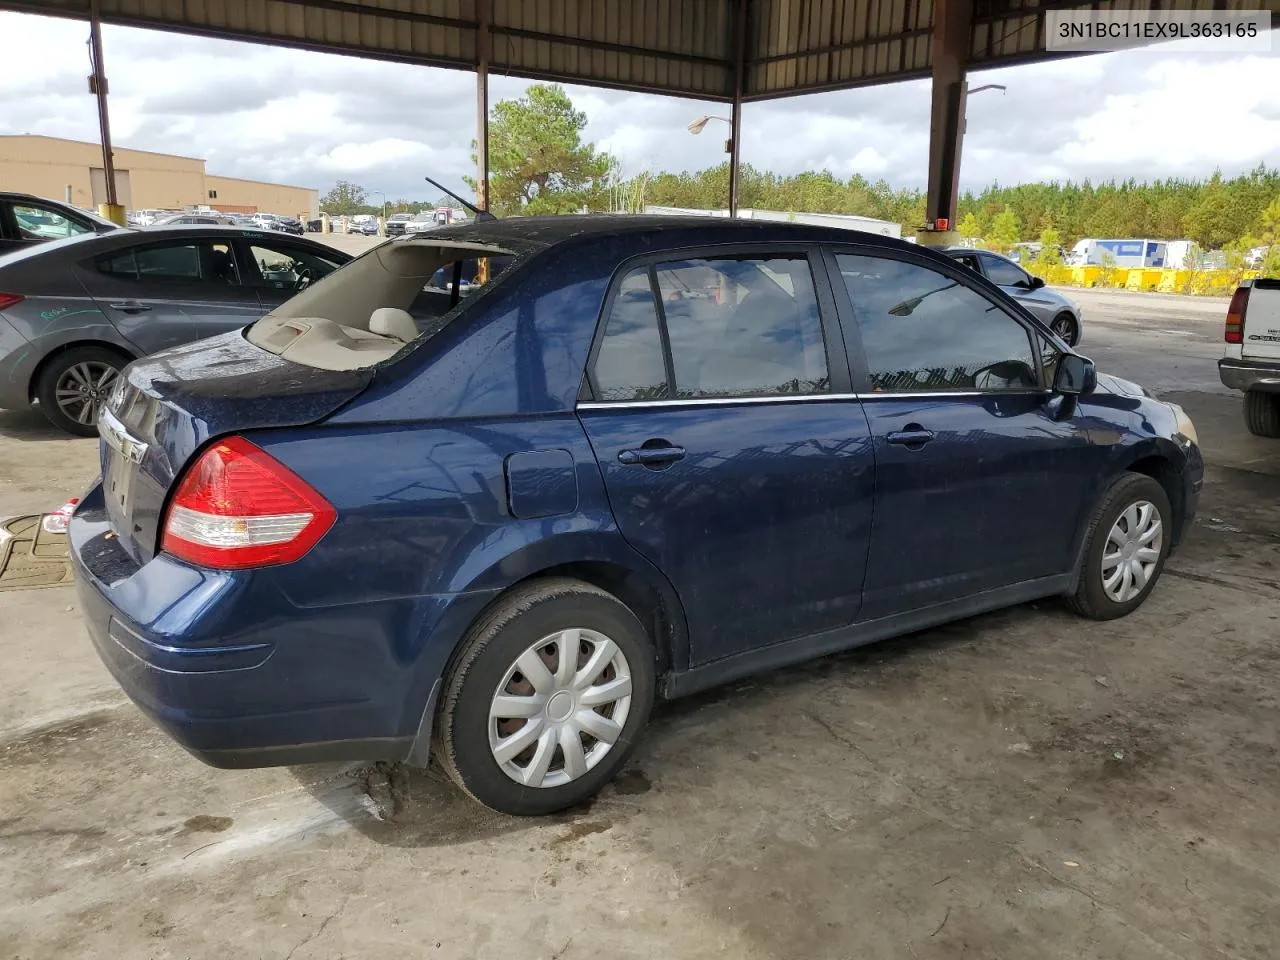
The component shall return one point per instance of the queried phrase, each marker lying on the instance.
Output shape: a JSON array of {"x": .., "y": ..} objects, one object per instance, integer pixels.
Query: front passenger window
[{"x": 924, "y": 331}]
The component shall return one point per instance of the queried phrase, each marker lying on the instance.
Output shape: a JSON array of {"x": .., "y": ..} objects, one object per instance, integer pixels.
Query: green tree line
[{"x": 1215, "y": 212}]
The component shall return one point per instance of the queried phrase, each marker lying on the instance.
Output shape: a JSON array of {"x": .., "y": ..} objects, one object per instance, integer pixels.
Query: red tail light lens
[
  {"x": 8, "y": 300},
  {"x": 239, "y": 507},
  {"x": 1235, "y": 316}
]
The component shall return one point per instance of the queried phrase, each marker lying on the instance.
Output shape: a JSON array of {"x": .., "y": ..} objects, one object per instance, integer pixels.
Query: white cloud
[{"x": 267, "y": 113}]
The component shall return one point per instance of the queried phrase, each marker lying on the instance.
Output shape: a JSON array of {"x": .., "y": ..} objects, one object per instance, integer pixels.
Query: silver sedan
[{"x": 1059, "y": 313}]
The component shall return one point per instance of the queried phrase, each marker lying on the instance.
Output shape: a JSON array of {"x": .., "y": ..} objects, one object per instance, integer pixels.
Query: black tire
[
  {"x": 1067, "y": 327},
  {"x": 491, "y": 648},
  {"x": 60, "y": 367},
  {"x": 1262, "y": 413},
  {"x": 1090, "y": 598}
]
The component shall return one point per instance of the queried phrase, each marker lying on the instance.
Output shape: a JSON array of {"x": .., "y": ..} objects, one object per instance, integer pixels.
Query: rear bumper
[
  {"x": 1250, "y": 374},
  {"x": 242, "y": 678}
]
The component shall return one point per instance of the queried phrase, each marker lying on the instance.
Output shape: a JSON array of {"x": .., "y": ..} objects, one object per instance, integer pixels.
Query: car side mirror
[
  {"x": 1076, "y": 376},
  {"x": 1037, "y": 283}
]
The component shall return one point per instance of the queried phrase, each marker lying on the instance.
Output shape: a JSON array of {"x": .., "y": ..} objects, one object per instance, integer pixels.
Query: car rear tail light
[
  {"x": 1235, "y": 315},
  {"x": 8, "y": 300},
  {"x": 239, "y": 507}
]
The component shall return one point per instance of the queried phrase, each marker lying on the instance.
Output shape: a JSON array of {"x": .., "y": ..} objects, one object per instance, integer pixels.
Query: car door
[
  {"x": 979, "y": 484},
  {"x": 1013, "y": 280},
  {"x": 164, "y": 293},
  {"x": 278, "y": 269},
  {"x": 734, "y": 456}
]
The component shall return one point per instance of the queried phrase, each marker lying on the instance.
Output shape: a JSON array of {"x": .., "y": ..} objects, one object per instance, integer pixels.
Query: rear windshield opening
[{"x": 366, "y": 312}]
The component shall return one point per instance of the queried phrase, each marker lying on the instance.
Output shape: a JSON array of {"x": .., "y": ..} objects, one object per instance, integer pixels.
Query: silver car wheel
[
  {"x": 1065, "y": 328},
  {"x": 560, "y": 708},
  {"x": 83, "y": 388},
  {"x": 1132, "y": 551}
]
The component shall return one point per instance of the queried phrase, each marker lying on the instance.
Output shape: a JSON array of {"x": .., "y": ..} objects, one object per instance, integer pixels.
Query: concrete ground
[{"x": 1024, "y": 784}]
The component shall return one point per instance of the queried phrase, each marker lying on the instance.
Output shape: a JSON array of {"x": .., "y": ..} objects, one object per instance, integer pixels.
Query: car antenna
[{"x": 475, "y": 211}]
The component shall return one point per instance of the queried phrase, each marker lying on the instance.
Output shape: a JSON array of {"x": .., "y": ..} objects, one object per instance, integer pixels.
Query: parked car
[
  {"x": 74, "y": 312},
  {"x": 209, "y": 218},
  {"x": 422, "y": 222},
  {"x": 396, "y": 222},
  {"x": 290, "y": 225},
  {"x": 26, "y": 220},
  {"x": 643, "y": 460},
  {"x": 1050, "y": 307},
  {"x": 145, "y": 218},
  {"x": 1252, "y": 356}
]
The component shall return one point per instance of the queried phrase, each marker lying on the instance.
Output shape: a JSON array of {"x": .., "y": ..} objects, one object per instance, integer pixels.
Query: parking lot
[{"x": 1026, "y": 783}]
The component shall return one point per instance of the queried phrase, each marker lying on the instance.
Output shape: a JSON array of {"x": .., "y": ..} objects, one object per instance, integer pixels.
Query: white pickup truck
[{"x": 1252, "y": 361}]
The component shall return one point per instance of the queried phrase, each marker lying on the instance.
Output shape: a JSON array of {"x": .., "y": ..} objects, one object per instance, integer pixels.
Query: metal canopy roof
[{"x": 677, "y": 47}]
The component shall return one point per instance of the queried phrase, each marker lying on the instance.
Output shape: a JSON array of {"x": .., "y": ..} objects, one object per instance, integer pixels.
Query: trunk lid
[
  {"x": 168, "y": 405},
  {"x": 1261, "y": 340}
]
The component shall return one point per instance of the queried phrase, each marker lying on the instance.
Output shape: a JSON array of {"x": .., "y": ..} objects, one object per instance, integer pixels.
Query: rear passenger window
[
  {"x": 181, "y": 262},
  {"x": 630, "y": 364},
  {"x": 743, "y": 327},
  {"x": 921, "y": 330}
]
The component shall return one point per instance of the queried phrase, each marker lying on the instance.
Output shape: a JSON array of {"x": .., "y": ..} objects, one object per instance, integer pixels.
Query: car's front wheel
[
  {"x": 546, "y": 698},
  {"x": 1127, "y": 544},
  {"x": 75, "y": 384},
  {"x": 1067, "y": 328}
]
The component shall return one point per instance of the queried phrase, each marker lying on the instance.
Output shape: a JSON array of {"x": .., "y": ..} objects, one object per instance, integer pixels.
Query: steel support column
[
  {"x": 735, "y": 121},
  {"x": 952, "y": 33},
  {"x": 98, "y": 87},
  {"x": 483, "y": 50}
]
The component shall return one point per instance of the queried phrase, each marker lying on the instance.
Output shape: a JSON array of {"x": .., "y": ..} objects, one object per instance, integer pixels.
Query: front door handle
[
  {"x": 130, "y": 306},
  {"x": 651, "y": 456},
  {"x": 912, "y": 436}
]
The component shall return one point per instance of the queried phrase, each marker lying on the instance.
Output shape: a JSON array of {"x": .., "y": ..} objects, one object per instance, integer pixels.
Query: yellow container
[{"x": 1086, "y": 276}]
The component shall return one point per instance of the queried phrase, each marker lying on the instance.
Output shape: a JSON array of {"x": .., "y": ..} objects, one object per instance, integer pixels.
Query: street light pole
[{"x": 730, "y": 147}]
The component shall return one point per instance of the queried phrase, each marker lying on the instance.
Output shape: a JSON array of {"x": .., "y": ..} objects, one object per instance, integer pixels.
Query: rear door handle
[
  {"x": 914, "y": 436},
  {"x": 130, "y": 306},
  {"x": 651, "y": 456}
]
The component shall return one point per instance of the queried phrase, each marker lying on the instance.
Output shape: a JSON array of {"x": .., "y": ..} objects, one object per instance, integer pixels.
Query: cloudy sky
[{"x": 310, "y": 119}]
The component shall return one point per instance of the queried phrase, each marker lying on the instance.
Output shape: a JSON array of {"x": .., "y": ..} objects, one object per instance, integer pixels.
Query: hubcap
[
  {"x": 83, "y": 389},
  {"x": 1063, "y": 328},
  {"x": 1132, "y": 551},
  {"x": 560, "y": 708}
]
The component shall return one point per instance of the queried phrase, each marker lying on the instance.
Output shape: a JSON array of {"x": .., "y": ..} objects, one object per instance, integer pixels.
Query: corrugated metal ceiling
[{"x": 678, "y": 47}]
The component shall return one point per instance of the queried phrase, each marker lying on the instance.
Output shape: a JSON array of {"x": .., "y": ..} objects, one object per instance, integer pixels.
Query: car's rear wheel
[
  {"x": 1127, "y": 544},
  {"x": 75, "y": 384},
  {"x": 546, "y": 698},
  {"x": 1066, "y": 327},
  {"x": 1262, "y": 413}
]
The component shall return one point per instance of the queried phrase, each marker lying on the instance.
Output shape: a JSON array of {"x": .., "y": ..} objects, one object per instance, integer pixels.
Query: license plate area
[{"x": 123, "y": 457}]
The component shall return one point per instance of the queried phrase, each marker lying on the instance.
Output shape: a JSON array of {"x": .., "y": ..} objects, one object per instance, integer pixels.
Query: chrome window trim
[{"x": 798, "y": 398}]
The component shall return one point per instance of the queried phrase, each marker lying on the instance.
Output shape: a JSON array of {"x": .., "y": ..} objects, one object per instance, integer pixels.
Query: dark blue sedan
[{"x": 648, "y": 456}]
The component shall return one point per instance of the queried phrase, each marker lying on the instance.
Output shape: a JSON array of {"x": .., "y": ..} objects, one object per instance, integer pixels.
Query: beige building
[{"x": 72, "y": 170}]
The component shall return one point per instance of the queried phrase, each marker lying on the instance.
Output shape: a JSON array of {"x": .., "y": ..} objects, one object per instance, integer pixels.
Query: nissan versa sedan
[
  {"x": 1059, "y": 312},
  {"x": 653, "y": 454},
  {"x": 74, "y": 312}
]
